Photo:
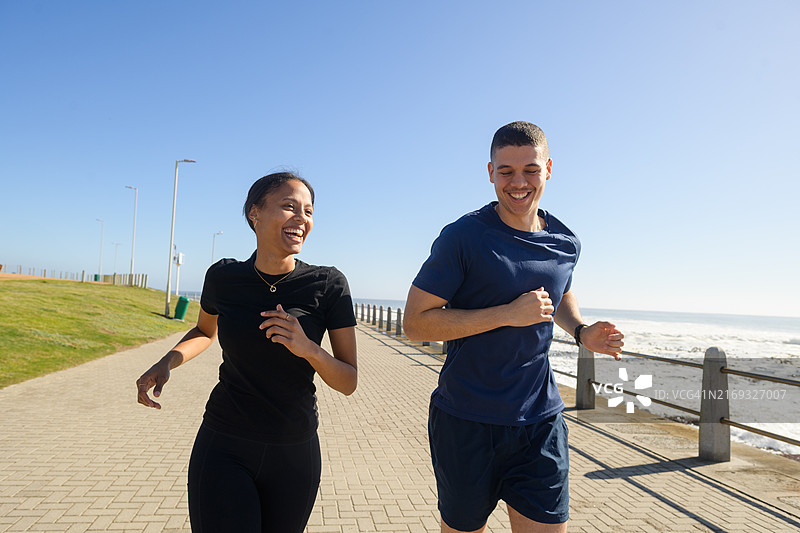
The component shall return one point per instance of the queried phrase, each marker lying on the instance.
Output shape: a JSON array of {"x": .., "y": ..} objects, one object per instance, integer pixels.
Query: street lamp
[
  {"x": 133, "y": 240},
  {"x": 100, "y": 267},
  {"x": 212, "y": 245},
  {"x": 172, "y": 232}
]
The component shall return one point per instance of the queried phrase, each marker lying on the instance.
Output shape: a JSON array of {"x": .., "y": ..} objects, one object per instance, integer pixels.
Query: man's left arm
[{"x": 600, "y": 337}]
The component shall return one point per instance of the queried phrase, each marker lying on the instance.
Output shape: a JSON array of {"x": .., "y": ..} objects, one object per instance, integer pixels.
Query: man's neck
[{"x": 530, "y": 223}]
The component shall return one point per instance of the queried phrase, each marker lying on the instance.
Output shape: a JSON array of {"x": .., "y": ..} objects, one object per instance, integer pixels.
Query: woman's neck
[{"x": 272, "y": 264}]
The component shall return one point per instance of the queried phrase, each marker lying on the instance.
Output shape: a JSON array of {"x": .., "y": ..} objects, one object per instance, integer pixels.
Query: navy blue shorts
[{"x": 478, "y": 464}]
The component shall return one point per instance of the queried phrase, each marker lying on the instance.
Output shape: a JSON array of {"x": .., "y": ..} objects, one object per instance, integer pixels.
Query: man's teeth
[
  {"x": 294, "y": 231},
  {"x": 518, "y": 195}
]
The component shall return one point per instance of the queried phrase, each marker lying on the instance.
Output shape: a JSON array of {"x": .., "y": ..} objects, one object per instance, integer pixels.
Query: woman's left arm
[{"x": 339, "y": 371}]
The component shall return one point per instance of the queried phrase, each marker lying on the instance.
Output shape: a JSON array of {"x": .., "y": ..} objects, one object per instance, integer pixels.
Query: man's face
[{"x": 519, "y": 174}]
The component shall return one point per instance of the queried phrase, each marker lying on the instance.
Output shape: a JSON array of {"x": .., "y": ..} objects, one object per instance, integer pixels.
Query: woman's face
[{"x": 284, "y": 219}]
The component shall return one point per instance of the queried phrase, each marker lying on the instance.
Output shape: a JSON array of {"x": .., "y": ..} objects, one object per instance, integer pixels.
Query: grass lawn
[{"x": 49, "y": 325}]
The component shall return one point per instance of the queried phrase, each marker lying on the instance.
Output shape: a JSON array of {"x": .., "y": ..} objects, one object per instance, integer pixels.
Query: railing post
[
  {"x": 374, "y": 314},
  {"x": 389, "y": 319},
  {"x": 362, "y": 312},
  {"x": 380, "y": 318},
  {"x": 715, "y": 437},
  {"x": 584, "y": 392},
  {"x": 399, "y": 330},
  {"x": 444, "y": 347},
  {"x": 355, "y": 310}
]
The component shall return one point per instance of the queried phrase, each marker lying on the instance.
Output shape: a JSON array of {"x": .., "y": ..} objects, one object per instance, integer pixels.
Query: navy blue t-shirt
[{"x": 502, "y": 376}]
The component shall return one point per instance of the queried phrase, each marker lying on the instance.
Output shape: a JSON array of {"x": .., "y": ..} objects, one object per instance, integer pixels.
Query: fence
[
  {"x": 130, "y": 280},
  {"x": 714, "y": 442}
]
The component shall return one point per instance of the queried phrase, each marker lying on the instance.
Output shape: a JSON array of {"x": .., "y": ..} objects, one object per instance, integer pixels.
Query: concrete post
[
  {"x": 374, "y": 315},
  {"x": 715, "y": 437},
  {"x": 584, "y": 392},
  {"x": 389, "y": 319},
  {"x": 399, "y": 330},
  {"x": 444, "y": 347},
  {"x": 380, "y": 319}
]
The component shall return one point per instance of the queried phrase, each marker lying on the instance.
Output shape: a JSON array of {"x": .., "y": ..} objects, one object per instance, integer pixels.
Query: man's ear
[{"x": 491, "y": 172}]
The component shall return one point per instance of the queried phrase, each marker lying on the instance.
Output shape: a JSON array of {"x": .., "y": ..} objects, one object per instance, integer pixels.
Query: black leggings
[{"x": 244, "y": 486}]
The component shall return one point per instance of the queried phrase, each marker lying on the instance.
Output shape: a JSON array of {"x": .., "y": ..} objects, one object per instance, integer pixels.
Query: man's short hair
[{"x": 519, "y": 133}]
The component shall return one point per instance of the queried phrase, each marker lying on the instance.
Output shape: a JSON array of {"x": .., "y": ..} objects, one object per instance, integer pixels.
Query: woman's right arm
[{"x": 191, "y": 345}]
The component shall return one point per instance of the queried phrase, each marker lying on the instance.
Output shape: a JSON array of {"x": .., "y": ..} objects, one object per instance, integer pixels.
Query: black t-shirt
[{"x": 265, "y": 392}]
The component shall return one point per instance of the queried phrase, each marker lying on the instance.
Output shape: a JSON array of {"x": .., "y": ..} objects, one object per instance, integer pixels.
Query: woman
[{"x": 256, "y": 464}]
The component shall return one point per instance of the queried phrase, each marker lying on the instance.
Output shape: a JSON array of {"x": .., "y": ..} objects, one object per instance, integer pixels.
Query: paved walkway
[{"x": 78, "y": 454}]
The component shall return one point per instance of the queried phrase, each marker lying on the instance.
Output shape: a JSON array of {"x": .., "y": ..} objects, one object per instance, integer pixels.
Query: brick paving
[{"x": 77, "y": 453}]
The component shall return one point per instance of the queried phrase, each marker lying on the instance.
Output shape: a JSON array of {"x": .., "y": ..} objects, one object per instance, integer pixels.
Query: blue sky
[{"x": 672, "y": 127}]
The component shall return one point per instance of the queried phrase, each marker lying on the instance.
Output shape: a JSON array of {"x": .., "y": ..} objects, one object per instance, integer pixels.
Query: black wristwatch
[{"x": 577, "y": 333}]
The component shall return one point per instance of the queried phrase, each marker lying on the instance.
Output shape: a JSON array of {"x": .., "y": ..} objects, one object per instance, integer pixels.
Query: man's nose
[{"x": 518, "y": 180}]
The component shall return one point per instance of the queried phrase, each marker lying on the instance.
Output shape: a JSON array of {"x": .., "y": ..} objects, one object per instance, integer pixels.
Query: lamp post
[
  {"x": 213, "y": 240},
  {"x": 133, "y": 239},
  {"x": 172, "y": 232},
  {"x": 100, "y": 266}
]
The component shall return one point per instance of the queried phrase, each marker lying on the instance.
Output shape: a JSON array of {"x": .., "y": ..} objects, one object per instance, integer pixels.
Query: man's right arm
[{"x": 426, "y": 319}]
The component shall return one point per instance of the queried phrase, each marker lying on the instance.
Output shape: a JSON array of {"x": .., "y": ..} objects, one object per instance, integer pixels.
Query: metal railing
[
  {"x": 714, "y": 413},
  {"x": 714, "y": 441},
  {"x": 129, "y": 280}
]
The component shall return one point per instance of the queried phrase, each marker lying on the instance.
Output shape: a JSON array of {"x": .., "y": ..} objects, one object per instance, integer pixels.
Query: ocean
[{"x": 760, "y": 344}]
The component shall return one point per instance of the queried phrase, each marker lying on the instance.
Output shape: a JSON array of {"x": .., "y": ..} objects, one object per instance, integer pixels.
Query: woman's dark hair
[{"x": 263, "y": 186}]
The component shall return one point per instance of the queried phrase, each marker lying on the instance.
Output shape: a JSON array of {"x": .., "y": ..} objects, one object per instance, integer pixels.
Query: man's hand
[
  {"x": 603, "y": 337},
  {"x": 531, "y": 308}
]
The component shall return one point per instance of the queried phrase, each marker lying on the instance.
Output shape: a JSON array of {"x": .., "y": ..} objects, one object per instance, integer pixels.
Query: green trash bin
[{"x": 180, "y": 307}]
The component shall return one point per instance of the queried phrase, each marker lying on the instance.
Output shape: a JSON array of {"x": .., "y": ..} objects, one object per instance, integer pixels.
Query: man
[{"x": 495, "y": 281}]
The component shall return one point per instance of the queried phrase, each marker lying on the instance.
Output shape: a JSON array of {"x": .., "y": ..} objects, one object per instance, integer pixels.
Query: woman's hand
[
  {"x": 192, "y": 344},
  {"x": 156, "y": 376},
  {"x": 283, "y": 328}
]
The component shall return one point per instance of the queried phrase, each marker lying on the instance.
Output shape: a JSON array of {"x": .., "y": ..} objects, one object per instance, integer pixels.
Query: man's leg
[
  {"x": 448, "y": 529},
  {"x": 536, "y": 482},
  {"x": 522, "y": 524},
  {"x": 463, "y": 462}
]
